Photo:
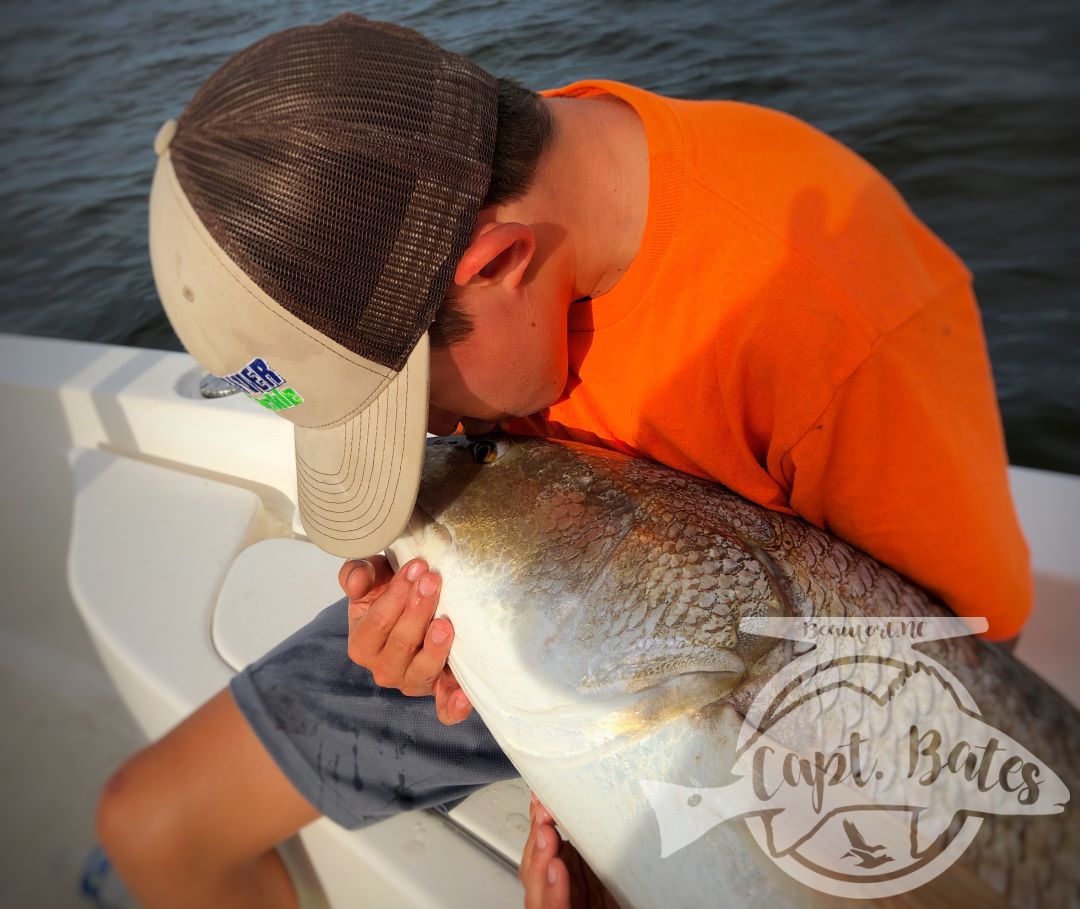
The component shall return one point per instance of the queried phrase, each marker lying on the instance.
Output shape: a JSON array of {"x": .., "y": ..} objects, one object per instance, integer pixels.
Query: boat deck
[{"x": 67, "y": 729}]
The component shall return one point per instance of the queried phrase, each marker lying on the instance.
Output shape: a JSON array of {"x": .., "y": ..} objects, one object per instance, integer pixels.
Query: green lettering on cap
[{"x": 278, "y": 399}]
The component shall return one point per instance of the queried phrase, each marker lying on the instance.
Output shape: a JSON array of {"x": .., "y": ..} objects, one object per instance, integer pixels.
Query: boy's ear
[{"x": 497, "y": 254}]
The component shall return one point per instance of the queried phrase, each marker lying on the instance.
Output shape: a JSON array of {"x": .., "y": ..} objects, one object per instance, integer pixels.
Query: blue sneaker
[{"x": 102, "y": 885}]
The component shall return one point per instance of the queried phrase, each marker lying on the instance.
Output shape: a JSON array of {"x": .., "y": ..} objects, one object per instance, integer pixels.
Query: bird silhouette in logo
[{"x": 861, "y": 850}]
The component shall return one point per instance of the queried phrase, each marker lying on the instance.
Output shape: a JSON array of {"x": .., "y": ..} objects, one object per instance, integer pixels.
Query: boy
[{"x": 368, "y": 234}]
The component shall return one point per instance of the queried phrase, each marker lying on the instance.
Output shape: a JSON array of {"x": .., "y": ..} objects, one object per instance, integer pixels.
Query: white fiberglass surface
[{"x": 55, "y": 695}]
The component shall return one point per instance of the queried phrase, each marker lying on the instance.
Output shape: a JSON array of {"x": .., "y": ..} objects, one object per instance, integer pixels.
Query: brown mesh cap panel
[{"x": 342, "y": 167}]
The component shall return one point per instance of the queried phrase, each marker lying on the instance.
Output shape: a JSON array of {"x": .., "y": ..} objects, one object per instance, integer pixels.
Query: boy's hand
[
  {"x": 554, "y": 875},
  {"x": 392, "y": 635}
]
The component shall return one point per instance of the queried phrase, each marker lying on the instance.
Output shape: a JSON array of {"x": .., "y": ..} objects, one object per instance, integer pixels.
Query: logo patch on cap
[{"x": 264, "y": 386}]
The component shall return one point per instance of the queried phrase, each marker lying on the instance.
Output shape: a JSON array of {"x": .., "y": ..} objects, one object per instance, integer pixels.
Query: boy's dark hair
[{"x": 525, "y": 128}]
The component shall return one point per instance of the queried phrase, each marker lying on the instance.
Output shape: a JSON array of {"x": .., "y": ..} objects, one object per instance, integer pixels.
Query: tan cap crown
[{"x": 306, "y": 215}]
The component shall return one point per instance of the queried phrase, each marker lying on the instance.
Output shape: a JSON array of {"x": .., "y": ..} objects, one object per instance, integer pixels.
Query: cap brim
[{"x": 357, "y": 481}]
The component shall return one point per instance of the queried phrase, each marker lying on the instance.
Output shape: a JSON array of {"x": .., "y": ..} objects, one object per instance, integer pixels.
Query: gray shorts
[{"x": 359, "y": 753}]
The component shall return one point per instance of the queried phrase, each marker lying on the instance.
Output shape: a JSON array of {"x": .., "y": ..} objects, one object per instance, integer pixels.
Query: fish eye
[{"x": 484, "y": 452}]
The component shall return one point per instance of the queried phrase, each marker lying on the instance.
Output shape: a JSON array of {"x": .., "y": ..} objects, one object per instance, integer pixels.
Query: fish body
[{"x": 604, "y": 610}]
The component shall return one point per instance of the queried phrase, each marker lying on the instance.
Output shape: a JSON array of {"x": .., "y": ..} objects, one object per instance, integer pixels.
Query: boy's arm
[{"x": 908, "y": 463}]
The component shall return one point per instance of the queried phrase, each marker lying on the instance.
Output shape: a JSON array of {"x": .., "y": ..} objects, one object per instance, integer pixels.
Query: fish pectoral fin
[
  {"x": 644, "y": 669},
  {"x": 721, "y": 674}
]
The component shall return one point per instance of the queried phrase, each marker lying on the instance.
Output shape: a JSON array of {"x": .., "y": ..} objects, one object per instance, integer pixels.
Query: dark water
[{"x": 968, "y": 106}]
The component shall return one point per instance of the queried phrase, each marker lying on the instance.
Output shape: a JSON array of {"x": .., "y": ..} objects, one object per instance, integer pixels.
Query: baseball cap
[{"x": 307, "y": 213}]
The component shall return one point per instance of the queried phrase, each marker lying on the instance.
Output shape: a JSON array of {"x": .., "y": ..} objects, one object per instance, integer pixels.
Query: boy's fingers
[
  {"x": 558, "y": 885},
  {"x": 459, "y": 706},
  {"x": 368, "y": 636},
  {"x": 345, "y": 570},
  {"x": 443, "y": 692},
  {"x": 543, "y": 816},
  {"x": 449, "y": 709},
  {"x": 376, "y": 570},
  {"x": 441, "y": 695},
  {"x": 534, "y": 877},
  {"x": 359, "y": 582},
  {"x": 454, "y": 702},
  {"x": 428, "y": 663},
  {"x": 407, "y": 635},
  {"x": 527, "y": 858},
  {"x": 366, "y": 578},
  {"x": 459, "y": 700}
]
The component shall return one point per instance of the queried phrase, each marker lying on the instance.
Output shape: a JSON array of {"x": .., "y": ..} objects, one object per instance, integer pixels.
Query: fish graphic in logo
[{"x": 863, "y": 768}]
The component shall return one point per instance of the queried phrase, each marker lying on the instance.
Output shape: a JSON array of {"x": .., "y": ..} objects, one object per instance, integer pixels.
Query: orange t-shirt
[{"x": 791, "y": 330}]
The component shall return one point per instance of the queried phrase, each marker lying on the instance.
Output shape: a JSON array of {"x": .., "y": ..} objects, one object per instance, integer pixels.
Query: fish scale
[{"x": 613, "y": 589}]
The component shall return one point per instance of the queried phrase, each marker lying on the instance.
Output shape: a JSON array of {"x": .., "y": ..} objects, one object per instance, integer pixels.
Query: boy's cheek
[{"x": 441, "y": 422}]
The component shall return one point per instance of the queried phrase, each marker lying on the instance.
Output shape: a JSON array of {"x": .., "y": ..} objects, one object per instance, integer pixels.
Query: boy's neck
[{"x": 593, "y": 185}]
